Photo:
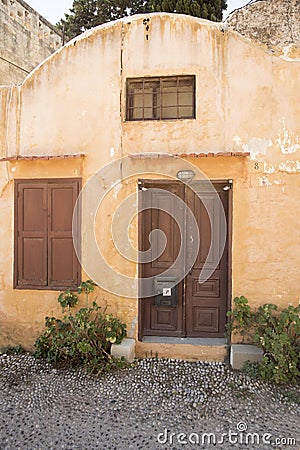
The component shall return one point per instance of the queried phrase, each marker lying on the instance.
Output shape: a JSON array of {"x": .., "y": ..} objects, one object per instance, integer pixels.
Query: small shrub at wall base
[
  {"x": 84, "y": 338},
  {"x": 13, "y": 350},
  {"x": 276, "y": 332}
]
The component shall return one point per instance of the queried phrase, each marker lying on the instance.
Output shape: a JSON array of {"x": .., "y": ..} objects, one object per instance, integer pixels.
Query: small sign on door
[{"x": 167, "y": 292}]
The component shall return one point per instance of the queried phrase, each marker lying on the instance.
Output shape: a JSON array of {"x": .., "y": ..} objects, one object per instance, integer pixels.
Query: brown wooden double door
[{"x": 201, "y": 306}]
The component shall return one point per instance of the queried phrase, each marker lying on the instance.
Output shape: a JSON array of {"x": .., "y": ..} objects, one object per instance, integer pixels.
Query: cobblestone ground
[{"x": 158, "y": 404}]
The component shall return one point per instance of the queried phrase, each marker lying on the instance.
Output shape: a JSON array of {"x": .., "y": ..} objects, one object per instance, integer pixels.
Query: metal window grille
[{"x": 160, "y": 98}]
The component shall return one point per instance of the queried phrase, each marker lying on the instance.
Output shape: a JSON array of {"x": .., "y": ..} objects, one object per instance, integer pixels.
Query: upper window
[
  {"x": 161, "y": 98},
  {"x": 44, "y": 253}
]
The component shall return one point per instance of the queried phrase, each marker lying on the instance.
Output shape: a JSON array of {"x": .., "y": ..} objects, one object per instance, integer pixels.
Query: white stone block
[
  {"x": 240, "y": 353},
  {"x": 125, "y": 349}
]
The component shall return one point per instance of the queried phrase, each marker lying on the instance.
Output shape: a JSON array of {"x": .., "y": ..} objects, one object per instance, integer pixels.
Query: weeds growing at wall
[
  {"x": 276, "y": 332},
  {"x": 83, "y": 338},
  {"x": 13, "y": 350}
]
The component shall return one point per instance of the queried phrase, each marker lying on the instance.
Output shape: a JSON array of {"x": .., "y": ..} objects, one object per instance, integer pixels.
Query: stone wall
[
  {"x": 26, "y": 39},
  {"x": 273, "y": 23}
]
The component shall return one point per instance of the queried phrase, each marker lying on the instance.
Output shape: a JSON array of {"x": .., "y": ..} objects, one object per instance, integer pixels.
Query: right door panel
[{"x": 206, "y": 302}]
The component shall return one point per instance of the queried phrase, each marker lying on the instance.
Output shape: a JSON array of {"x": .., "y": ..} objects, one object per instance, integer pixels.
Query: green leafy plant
[
  {"x": 13, "y": 350},
  {"x": 87, "y": 287},
  {"x": 84, "y": 338},
  {"x": 252, "y": 368},
  {"x": 241, "y": 317},
  {"x": 276, "y": 332},
  {"x": 68, "y": 299}
]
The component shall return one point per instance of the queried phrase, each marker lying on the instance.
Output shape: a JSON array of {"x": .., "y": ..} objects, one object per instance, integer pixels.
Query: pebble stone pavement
[{"x": 42, "y": 407}]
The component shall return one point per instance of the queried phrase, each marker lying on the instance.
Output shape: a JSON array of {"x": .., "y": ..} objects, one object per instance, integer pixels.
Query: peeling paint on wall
[
  {"x": 257, "y": 146},
  {"x": 238, "y": 141},
  {"x": 285, "y": 166},
  {"x": 263, "y": 181},
  {"x": 287, "y": 141},
  {"x": 269, "y": 167},
  {"x": 289, "y": 166}
]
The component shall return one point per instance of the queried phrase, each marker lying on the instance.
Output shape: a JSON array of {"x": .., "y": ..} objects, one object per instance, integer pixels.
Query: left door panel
[{"x": 158, "y": 198}]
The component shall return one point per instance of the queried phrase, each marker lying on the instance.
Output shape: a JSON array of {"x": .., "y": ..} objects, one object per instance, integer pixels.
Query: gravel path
[{"x": 140, "y": 407}]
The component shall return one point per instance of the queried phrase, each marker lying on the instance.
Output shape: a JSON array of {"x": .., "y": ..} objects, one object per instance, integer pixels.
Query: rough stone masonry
[
  {"x": 273, "y": 23},
  {"x": 26, "y": 39}
]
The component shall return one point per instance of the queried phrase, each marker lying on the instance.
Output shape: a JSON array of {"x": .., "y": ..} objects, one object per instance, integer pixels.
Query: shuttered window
[{"x": 44, "y": 252}]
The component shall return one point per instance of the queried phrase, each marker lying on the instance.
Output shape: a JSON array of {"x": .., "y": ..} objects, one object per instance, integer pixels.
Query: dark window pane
[
  {"x": 185, "y": 82},
  {"x": 169, "y": 112},
  {"x": 185, "y": 98},
  {"x": 137, "y": 113},
  {"x": 169, "y": 99},
  {"x": 137, "y": 101},
  {"x": 148, "y": 113},
  {"x": 186, "y": 112},
  {"x": 136, "y": 86},
  {"x": 156, "y": 113},
  {"x": 148, "y": 100},
  {"x": 157, "y": 101},
  {"x": 150, "y": 85},
  {"x": 169, "y": 83}
]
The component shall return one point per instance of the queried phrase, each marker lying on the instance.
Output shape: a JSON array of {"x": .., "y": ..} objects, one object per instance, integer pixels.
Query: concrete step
[
  {"x": 189, "y": 349},
  {"x": 126, "y": 349},
  {"x": 240, "y": 353}
]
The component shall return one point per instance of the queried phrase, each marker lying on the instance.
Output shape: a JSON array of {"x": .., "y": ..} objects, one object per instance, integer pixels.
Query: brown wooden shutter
[
  {"x": 44, "y": 253},
  {"x": 31, "y": 235},
  {"x": 63, "y": 267}
]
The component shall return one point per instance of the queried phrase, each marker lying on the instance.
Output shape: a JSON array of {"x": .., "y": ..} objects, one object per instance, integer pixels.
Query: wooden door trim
[{"x": 229, "y": 250}]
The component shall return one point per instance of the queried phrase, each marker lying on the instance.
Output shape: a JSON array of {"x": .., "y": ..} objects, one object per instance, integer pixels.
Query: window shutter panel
[
  {"x": 63, "y": 266},
  {"x": 31, "y": 235}
]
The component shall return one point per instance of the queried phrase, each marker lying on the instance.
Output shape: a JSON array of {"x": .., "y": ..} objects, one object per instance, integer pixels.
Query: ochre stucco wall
[{"x": 247, "y": 102}]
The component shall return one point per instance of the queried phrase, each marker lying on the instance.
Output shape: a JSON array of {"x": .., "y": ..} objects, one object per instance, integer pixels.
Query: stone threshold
[
  {"x": 184, "y": 341},
  {"x": 189, "y": 349}
]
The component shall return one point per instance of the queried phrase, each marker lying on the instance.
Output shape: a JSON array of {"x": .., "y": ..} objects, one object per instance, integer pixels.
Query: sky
[{"x": 54, "y": 10}]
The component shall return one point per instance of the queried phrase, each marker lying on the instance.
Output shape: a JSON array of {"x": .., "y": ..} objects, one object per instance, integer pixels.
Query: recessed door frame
[{"x": 160, "y": 184}]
